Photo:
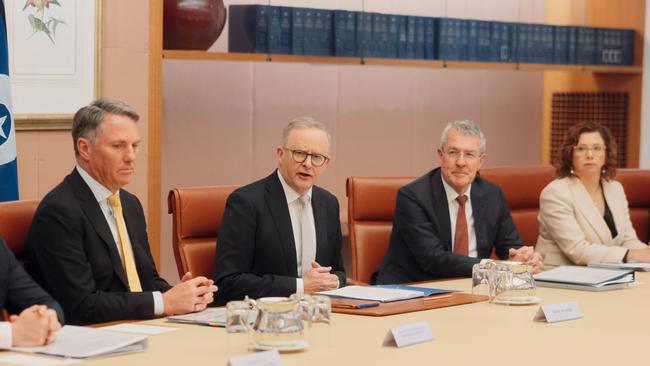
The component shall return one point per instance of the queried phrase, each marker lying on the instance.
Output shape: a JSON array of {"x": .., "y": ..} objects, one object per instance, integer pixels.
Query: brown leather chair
[
  {"x": 522, "y": 186},
  {"x": 636, "y": 183},
  {"x": 15, "y": 219},
  {"x": 196, "y": 216},
  {"x": 371, "y": 207}
]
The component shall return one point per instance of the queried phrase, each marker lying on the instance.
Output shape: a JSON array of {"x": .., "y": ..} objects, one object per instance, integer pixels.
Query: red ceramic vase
[{"x": 192, "y": 24}]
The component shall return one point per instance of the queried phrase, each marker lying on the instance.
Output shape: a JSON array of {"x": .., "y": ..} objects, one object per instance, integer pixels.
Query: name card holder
[
  {"x": 409, "y": 334},
  {"x": 553, "y": 313},
  {"x": 266, "y": 358}
]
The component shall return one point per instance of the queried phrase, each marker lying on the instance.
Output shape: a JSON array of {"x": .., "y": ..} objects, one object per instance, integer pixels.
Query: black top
[{"x": 609, "y": 220}]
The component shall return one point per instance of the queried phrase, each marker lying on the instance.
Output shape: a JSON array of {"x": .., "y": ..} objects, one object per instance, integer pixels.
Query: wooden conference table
[{"x": 615, "y": 330}]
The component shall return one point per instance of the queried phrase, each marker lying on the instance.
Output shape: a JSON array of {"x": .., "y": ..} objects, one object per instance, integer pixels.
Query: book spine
[
  {"x": 429, "y": 38},
  {"x": 392, "y": 48},
  {"x": 309, "y": 46},
  {"x": 419, "y": 46},
  {"x": 297, "y": 31},
  {"x": 402, "y": 40},
  {"x": 248, "y": 28},
  {"x": 327, "y": 36}
]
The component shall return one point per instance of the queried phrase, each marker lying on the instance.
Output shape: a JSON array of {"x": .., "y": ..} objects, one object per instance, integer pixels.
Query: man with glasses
[
  {"x": 450, "y": 219},
  {"x": 282, "y": 234}
]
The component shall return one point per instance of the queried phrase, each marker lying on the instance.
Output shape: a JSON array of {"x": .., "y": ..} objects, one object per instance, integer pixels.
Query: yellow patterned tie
[{"x": 128, "y": 262}]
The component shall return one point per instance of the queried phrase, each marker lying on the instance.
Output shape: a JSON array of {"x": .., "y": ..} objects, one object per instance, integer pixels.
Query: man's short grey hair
[
  {"x": 465, "y": 127},
  {"x": 304, "y": 122},
  {"x": 88, "y": 120}
]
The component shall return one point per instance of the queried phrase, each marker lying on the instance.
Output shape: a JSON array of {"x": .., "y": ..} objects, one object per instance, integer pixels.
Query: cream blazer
[{"x": 572, "y": 231}]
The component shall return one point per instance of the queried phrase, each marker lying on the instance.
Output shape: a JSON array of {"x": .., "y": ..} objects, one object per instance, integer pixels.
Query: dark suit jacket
[
  {"x": 73, "y": 255},
  {"x": 18, "y": 291},
  {"x": 256, "y": 253},
  {"x": 420, "y": 244}
]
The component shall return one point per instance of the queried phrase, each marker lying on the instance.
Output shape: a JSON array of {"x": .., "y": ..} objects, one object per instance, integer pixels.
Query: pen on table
[{"x": 357, "y": 306}]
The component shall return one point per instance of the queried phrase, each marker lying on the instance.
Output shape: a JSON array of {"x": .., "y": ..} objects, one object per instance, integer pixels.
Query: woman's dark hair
[{"x": 565, "y": 164}]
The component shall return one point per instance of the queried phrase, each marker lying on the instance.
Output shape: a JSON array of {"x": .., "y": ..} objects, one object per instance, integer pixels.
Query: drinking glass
[{"x": 237, "y": 316}]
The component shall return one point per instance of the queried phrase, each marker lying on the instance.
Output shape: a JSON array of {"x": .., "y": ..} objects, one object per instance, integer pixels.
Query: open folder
[
  {"x": 383, "y": 293},
  {"x": 82, "y": 342}
]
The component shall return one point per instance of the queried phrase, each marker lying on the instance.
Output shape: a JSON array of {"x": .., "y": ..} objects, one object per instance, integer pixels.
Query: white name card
[
  {"x": 266, "y": 358},
  {"x": 553, "y": 313},
  {"x": 409, "y": 334}
]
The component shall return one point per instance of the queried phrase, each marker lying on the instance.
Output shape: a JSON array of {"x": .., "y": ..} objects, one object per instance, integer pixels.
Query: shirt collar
[
  {"x": 100, "y": 192},
  {"x": 452, "y": 194},
  {"x": 289, "y": 193}
]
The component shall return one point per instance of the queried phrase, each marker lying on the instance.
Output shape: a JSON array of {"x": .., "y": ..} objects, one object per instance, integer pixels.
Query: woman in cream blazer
[{"x": 584, "y": 216}]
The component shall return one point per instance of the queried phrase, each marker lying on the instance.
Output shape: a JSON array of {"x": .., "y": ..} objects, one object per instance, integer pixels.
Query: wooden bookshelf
[{"x": 433, "y": 64}]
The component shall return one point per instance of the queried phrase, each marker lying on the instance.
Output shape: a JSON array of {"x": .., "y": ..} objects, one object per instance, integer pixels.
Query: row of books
[{"x": 306, "y": 31}]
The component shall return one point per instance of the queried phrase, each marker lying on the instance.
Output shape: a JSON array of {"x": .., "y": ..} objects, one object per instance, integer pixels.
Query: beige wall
[
  {"x": 45, "y": 157},
  {"x": 222, "y": 120}
]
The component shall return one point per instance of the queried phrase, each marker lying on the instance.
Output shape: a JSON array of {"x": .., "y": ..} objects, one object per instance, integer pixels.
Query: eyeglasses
[
  {"x": 456, "y": 154},
  {"x": 300, "y": 156},
  {"x": 582, "y": 150}
]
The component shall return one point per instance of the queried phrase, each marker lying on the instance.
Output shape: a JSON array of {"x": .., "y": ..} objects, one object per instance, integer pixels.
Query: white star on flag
[{"x": 2, "y": 122}]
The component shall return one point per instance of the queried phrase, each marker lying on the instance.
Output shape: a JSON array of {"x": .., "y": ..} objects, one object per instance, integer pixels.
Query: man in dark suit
[
  {"x": 88, "y": 246},
  {"x": 35, "y": 315},
  {"x": 450, "y": 219},
  {"x": 282, "y": 234}
]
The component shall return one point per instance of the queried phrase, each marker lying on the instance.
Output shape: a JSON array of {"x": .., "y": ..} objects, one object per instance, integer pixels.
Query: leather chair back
[
  {"x": 15, "y": 219},
  {"x": 371, "y": 207},
  {"x": 196, "y": 216},
  {"x": 636, "y": 183},
  {"x": 522, "y": 186}
]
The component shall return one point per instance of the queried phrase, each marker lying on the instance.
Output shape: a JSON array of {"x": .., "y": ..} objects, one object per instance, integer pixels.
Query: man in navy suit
[
  {"x": 450, "y": 219},
  {"x": 282, "y": 234},
  {"x": 88, "y": 245},
  {"x": 35, "y": 316}
]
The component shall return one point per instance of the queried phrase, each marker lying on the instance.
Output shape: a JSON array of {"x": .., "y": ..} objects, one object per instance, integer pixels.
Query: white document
[
  {"x": 83, "y": 342},
  {"x": 639, "y": 267},
  {"x": 138, "y": 328},
  {"x": 587, "y": 276},
  {"x": 373, "y": 293},
  {"x": 409, "y": 334},
  {"x": 215, "y": 317}
]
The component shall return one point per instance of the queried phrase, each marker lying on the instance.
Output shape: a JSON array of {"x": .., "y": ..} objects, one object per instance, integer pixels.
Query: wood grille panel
[{"x": 609, "y": 109}]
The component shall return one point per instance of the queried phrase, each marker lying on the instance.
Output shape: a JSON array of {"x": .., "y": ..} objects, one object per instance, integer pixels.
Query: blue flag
[{"x": 8, "y": 166}]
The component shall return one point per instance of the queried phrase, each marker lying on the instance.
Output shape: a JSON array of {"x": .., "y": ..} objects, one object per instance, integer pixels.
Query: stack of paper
[
  {"x": 383, "y": 293},
  {"x": 82, "y": 342},
  {"x": 585, "y": 278}
]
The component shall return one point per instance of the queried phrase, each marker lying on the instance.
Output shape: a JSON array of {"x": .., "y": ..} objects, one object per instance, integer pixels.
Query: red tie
[{"x": 461, "y": 240}]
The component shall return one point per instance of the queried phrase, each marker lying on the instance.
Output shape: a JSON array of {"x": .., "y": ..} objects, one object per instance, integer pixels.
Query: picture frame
[{"x": 54, "y": 60}]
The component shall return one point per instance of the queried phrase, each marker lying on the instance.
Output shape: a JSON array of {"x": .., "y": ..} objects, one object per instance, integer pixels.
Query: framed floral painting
[{"x": 54, "y": 59}]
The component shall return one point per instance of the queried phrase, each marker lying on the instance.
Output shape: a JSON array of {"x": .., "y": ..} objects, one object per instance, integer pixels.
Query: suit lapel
[
  {"x": 91, "y": 208},
  {"x": 320, "y": 221},
  {"x": 441, "y": 210},
  {"x": 479, "y": 212},
  {"x": 277, "y": 203},
  {"x": 586, "y": 207}
]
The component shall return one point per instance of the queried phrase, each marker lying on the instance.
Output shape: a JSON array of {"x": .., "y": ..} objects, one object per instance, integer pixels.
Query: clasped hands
[
  {"x": 34, "y": 326},
  {"x": 528, "y": 255},
  {"x": 319, "y": 279},
  {"x": 190, "y": 295}
]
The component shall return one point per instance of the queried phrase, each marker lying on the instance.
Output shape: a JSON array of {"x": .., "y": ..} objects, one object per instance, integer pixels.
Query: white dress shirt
[
  {"x": 453, "y": 212},
  {"x": 101, "y": 194},
  {"x": 295, "y": 212}
]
